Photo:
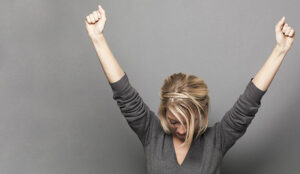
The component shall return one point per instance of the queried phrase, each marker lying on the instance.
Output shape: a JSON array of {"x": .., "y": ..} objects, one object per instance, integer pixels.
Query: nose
[{"x": 181, "y": 129}]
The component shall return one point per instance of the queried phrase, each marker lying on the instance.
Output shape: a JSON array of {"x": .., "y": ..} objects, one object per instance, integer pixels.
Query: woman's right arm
[{"x": 95, "y": 24}]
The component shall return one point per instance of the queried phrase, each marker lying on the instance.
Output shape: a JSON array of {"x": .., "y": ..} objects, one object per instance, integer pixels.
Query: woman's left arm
[{"x": 285, "y": 36}]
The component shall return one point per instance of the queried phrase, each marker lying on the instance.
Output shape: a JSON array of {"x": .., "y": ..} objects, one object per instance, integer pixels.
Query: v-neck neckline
[{"x": 174, "y": 153}]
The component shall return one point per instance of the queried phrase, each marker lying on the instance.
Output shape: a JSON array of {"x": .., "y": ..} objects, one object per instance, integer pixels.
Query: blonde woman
[{"x": 178, "y": 140}]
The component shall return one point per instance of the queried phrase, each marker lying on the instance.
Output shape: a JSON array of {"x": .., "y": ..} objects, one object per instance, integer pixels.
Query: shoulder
[{"x": 210, "y": 135}]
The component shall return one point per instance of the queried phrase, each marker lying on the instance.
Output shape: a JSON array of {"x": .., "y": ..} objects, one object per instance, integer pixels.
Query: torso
[{"x": 163, "y": 155}]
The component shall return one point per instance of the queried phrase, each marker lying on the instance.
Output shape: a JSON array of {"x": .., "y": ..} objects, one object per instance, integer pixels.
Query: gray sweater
[{"x": 206, "y": 152}]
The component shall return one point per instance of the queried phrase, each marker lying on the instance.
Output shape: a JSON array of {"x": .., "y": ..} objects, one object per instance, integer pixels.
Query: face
[{"x": 177, "y": 129}]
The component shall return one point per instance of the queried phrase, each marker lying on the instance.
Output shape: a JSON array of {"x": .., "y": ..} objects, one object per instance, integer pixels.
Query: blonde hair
[{"x": 187, "y": 95}]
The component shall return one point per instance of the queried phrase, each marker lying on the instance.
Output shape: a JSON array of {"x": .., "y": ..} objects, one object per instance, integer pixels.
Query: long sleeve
[
  {"x": 137, "y": 114},
  {"x": 235, "y": 122}
]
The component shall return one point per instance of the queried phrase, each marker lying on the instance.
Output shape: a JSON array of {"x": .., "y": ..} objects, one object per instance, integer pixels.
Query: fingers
[
  {"x": 291, "y": 33},
  {"x": 287, "y": 30},
  {"x": 280, "y": 24},
  {"x": 96, "y": 15},
  {"x": 92, "y": 18},
  {"x": 102, "y": 12},
  {"x": 282, "y": 27},
  {"x": 285, "y": 27},
  {"x": 88, "y": 19}
]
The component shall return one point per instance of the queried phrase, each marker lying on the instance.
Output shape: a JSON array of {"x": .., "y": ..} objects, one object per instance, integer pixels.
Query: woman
[{"x": 179, "y": 141}]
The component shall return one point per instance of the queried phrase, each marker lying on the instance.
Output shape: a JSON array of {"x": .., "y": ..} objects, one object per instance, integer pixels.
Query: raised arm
[
  {"x": 94, "y": 25},
  {"x": 237, "y": 119},
  {"x": 285, "y": 36},
  {"x": 136, "y": 112}
]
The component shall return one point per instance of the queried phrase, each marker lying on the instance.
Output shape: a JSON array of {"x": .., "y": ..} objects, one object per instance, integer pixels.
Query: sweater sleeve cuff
[
  {"x": 121, "y": 85},
  {"x": 255, "y": 93}
]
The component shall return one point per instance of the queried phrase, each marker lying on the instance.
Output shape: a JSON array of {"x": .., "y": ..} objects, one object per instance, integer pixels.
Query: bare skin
[
  {"x": 180, "y": 152},
  {"x": 95, "y": 23},
  {"x": 285, "y": 36},
  {"x": 179, "y": 132}
]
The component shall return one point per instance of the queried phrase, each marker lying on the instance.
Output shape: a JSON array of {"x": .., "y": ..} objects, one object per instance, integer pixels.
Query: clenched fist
[
  {"x": 95, "y": 22},
  {"x": 285, "y": 35}
]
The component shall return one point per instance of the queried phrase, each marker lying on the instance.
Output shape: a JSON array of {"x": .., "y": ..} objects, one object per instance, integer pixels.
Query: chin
[{"x": 181, "y": 137}]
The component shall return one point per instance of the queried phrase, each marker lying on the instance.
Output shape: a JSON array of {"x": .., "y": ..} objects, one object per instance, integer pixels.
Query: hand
[
  {"x": 95, "y": 22},
  {"x": 285, "y": 35}
]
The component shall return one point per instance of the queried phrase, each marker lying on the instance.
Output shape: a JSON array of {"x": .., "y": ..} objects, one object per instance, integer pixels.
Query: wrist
[
  {"x": 97, "y": 38},
  {"x": 278, "y": 49}
]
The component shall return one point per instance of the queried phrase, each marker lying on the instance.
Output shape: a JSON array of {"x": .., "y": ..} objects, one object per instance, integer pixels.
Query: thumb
[{"x": 280, "y": 24}]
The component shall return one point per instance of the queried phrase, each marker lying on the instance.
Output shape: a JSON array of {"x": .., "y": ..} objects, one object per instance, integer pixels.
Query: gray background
[{"x": 57, "y": 111}]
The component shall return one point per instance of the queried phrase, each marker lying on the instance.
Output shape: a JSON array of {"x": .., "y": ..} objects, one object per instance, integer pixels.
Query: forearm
[
  {"x": 110, "y": 65},
  {"x": 266, "y": 74}
]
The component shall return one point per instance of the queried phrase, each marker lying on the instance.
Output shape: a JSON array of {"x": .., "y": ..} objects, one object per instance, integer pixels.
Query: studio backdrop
[{"x": 57, "y": 113}]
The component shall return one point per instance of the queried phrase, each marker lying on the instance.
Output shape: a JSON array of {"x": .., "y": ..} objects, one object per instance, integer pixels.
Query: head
[{"x": 184, "y": 106}]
